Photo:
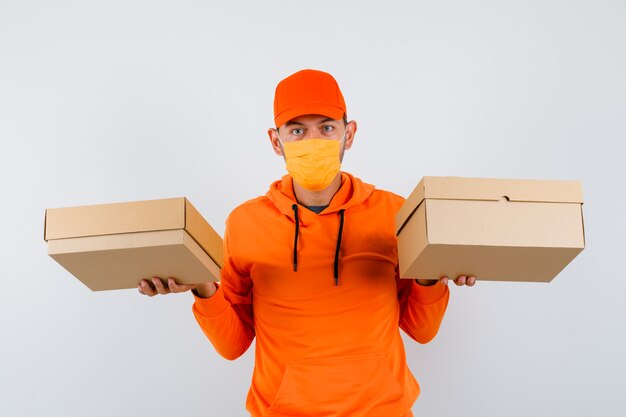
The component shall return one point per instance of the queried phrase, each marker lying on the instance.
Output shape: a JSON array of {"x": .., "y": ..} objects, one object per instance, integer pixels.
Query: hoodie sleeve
[
  {"x": 421, "y": 308},
  {"x": 226, "y": 318}
]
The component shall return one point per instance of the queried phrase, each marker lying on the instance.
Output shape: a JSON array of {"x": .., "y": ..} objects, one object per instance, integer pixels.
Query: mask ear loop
[{"x": 342, "y": 148}]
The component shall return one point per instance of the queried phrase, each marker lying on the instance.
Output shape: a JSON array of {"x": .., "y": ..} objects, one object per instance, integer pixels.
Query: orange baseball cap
[{"x": 308, "y": 92}]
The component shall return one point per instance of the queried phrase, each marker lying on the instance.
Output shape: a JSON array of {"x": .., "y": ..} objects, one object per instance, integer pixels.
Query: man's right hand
[{"x": 156, "y": 286}]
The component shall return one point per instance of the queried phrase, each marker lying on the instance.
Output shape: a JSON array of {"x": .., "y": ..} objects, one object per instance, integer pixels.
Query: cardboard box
[
  {"x": 114, "y": 246},
  {"x": 494, "y": 229}
]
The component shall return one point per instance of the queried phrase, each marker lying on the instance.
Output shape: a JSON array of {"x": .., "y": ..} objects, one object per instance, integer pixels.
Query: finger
[
  {"x": 460, "y": 280},
  {"x": 471, "y": 281},
  {"x": 444, "y": 280},
  {"x": 147, "y": 288},
  {"x": 159, "y": 286},
  {"x": 171, "y": 283},
  {"x": 174, "y": 287}
]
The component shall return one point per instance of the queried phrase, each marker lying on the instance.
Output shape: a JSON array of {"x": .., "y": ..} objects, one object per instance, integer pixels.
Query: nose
[{"x": 310, "y": 134}]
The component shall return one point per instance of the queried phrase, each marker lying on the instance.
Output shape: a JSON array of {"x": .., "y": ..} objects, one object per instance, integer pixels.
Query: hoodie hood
[{"x": 352, "y": 192}]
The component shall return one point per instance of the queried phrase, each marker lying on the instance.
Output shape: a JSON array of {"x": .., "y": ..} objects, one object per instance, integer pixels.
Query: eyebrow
[
  {"x": 293, "y": 123},
  {"x": 326, "y": 120}
]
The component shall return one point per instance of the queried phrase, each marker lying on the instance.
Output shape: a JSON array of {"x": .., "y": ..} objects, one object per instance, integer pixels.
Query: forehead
[{"x": 310, "y": 119}]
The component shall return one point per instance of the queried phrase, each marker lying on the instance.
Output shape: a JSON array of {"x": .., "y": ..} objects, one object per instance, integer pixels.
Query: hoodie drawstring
[
  {"x": 336, "y": 266},
  {"x": 295, "y": 243},
  {"x": 294, "y": 207}
]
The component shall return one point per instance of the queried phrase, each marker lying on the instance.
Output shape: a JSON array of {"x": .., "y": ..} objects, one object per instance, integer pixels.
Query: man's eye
[
  {"x": 328, "y": 128},
  {"x": 297, "y": 131}
]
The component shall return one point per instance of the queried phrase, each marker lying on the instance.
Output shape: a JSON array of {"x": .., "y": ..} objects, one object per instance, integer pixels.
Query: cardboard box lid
[
  {"x": 114, "y": 218},
  {"x": 132, "y": 217},
  {"x": 489, "y": 189}
]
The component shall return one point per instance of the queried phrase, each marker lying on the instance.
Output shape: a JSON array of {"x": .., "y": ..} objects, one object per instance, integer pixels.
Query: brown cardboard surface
[
  {"x": 119, "y": 261},
  {"x": 204, "y": 234},
  {"x": 490, "y": 189},
  {"x": 108, "y": 219},
  {"x": 495, "y": 229},
  {"x": 112, "y": 246}
]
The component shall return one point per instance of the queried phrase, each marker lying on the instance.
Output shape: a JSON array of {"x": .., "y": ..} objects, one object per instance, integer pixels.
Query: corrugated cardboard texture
[
  {"x": 110, "y": 246},
  {"x": 108, "y": 219},
  {"x": 459, "y": 188},
  {"x": 490, "y": 189},
  {"x": 131, "y": 217},
  {"x": 120, "y": 261},
  {"x": 412, "y": 241},
  {"x": 204, "y": 234},
  {"x": 504, "y": 223},
  {"x": 450, "y": 226},
  {"x": 490, "y": 263}
]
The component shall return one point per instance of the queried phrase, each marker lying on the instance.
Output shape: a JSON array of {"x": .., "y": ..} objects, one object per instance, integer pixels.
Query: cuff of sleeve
[
  {"x": 212, "y": 306},
  {"x": 428, "y": 294}
]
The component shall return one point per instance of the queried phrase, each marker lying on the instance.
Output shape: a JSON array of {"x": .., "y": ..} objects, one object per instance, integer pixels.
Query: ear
[
  {"x": 351, "y": 129},
  {"x": 273, "y": 135}
]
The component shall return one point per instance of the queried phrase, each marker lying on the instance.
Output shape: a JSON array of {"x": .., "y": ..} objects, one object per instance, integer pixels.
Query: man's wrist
[{"x": 205, "y": 290}]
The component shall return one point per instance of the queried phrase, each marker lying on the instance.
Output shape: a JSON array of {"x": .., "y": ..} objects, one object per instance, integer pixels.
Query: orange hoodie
[{"x": 322, "y": 295}]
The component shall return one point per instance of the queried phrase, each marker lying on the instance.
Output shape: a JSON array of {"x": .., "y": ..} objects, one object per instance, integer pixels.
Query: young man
[{"x": 311, "y": 271}]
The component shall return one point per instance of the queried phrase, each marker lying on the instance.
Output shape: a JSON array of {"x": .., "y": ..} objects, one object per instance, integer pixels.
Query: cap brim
[{"x": 333, "y": 112}]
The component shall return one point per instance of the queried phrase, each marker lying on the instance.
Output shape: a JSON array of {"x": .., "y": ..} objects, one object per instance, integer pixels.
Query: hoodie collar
[{"x": 352, "y": 192}]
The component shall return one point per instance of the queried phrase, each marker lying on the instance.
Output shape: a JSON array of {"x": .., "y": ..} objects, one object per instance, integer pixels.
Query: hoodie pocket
[{"x": 360, "y": 385}]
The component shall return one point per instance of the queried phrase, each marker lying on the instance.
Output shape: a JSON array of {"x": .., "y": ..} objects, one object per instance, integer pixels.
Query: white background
[{"x": 130, "y": 100}]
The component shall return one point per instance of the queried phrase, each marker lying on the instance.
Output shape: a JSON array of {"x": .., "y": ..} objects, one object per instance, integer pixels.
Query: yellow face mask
[{"x": 313, "y": 163}]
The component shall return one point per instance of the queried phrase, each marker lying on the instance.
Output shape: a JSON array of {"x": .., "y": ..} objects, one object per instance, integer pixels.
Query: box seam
[{"x": 192, "y": 236}]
